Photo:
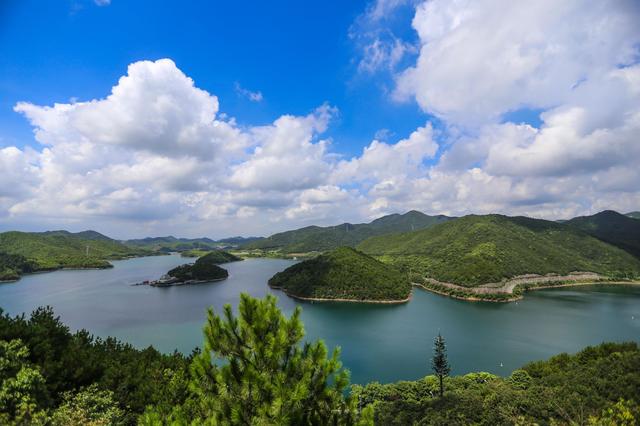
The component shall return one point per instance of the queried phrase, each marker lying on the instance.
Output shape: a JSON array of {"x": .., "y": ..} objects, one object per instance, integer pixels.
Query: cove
[{"x": 379, "y": 342}]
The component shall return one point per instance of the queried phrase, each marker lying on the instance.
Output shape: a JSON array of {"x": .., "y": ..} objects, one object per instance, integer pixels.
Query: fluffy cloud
[
  {"x": 480, "y": 59},
  {"x": 156, "y": 152},
  {"x": 157, "y": 155},
  {"x": 286, "y": 157},
  {"x": 154, "y": 108},
  {"x": 380, "y": 161}
]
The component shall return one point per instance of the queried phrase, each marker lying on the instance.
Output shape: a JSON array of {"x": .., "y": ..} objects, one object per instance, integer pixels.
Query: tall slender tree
[{"x": 439, "y": 362}]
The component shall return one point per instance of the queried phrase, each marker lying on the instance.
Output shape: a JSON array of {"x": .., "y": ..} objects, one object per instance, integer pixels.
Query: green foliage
[
  {"x": 622, "y": 413},
  {"x": 611, "y": 227},
  {"x": 91, "y": 407},
  {"x": 70, "y": 362},
  {"x": 316, "y": 238},
  {"x": 474, "y": 250},
  {"x": 343, "y": 273},
  {"x": 566, "y": 389},
  {"x": 61, "y": 249},
  {"x": 254, "y": 371},
  {"x": 205, "y": 268},
  {"x": 22, "y": 388}
]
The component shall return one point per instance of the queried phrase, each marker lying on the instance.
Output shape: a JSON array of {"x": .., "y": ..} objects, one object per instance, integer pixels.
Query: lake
[{"x": 379, "y": 342}]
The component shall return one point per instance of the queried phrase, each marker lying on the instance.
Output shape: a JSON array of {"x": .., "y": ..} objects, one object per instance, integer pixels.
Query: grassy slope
[
  {"x": 480, "y": 249},
  {"x": 613, "y": 228},
  {"x": 58, "y": 249},
  {"x": 634, "y": 215},
  {"x": 316, "y": 238},
  {"x": 343, "y": 273}
]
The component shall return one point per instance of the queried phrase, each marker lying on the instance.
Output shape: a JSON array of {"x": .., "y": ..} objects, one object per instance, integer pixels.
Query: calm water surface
[{"x": 379, "y": 342}]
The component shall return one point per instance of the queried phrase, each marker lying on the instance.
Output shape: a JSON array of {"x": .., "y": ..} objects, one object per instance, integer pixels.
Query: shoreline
[
  {"x": 179, "y": 283},
  {"x": 342, "y": 300},
  {"x": 516, "y": 297}
]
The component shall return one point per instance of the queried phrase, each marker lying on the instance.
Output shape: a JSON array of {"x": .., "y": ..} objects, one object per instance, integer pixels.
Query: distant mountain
[
  {"x": 634, "y": 215},
  {"x": 480, "y": 249},
  {"x": 317, "y": 238},
  {"x": 612, "y": 227},
  {"x": 343, "y": 273},
  {"x": 239, "y": 240},
  {"x": 171, "y": 243},
  {"x": 62, "y": 249}
]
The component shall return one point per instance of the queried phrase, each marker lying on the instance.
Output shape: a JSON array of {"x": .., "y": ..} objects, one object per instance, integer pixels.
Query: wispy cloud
[
  {"x": 252, "y": 96},
  {"x": 102, "y": 2}
]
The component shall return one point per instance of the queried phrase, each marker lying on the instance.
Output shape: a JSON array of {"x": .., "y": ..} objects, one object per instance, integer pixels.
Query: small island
[
  {"x": 343, "y": 275},
  {"x": 204, "y": 270}
]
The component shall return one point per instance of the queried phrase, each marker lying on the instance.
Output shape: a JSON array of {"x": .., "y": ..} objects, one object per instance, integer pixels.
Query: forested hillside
[{"x": 481, "y": 249}]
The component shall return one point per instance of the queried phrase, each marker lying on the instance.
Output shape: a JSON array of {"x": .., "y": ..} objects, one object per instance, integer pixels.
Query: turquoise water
[{"x": 379, "y": 342}]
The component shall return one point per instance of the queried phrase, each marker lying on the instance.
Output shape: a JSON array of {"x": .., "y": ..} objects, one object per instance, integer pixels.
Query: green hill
[
  {"x": 316, "y": 238},
  {"x": 612, "y": 227},
  {"x": 634, "y": 215},
  {"x": 343, "y": 273},
  {"x": 62, "y": 249},
  {"x": 474, "y": 250}
]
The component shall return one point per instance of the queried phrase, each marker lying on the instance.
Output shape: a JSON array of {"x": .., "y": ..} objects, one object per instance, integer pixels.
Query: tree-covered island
[{"x": 205, "y": 269}]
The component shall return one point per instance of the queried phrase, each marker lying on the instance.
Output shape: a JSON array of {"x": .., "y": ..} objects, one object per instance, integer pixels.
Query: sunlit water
[{"x": 379, "y": 342}]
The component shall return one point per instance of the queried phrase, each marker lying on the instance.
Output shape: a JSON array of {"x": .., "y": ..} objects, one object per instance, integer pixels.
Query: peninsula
[{"x": 343, "y": 275}]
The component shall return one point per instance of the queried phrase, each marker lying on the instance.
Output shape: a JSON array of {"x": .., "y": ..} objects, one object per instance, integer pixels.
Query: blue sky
[
  {"x": 210, "y": 118},
  {"x": 297, "y": 54}
]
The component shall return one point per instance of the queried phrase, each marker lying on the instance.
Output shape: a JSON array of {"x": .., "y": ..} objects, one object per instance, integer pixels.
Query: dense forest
[
  {"x": 343, "y": 273},
  {"x": 317, "y": 238},
  {"x": 480, "y": 249},
  {"x": 254, "y": 369}
]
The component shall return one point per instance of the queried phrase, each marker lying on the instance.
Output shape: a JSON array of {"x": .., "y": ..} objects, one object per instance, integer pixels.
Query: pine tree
[
  {"x": 439, "y": 362},
  {"x": 253, "y": 370}
]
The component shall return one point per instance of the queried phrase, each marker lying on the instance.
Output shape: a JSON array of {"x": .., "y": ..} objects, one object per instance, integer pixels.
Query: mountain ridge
[{"x": 318, "y": 238}]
